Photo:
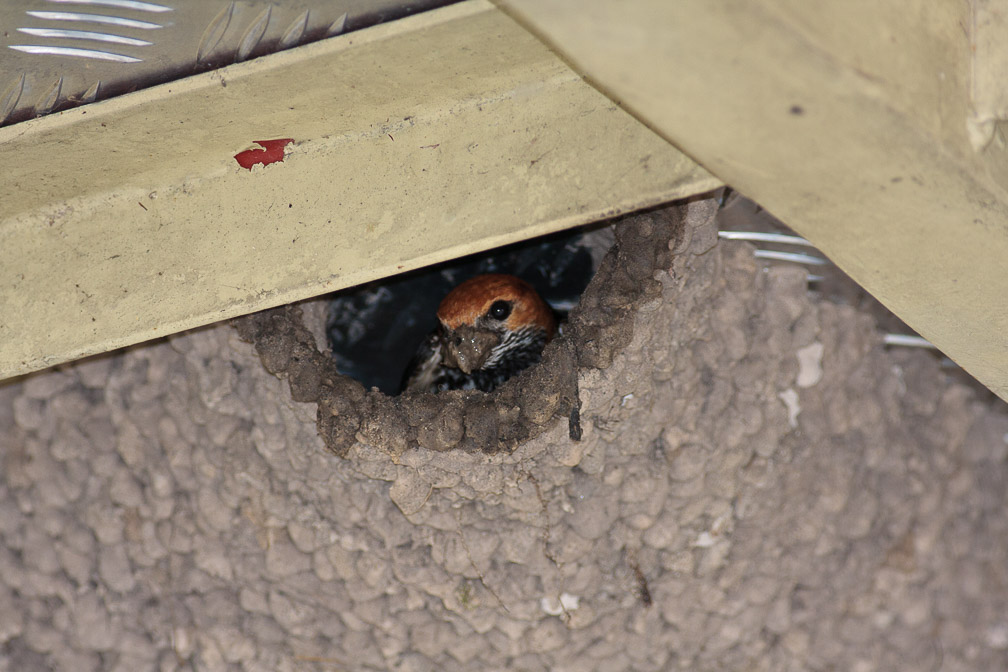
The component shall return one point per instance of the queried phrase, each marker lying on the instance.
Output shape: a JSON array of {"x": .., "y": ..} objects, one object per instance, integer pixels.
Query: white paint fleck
[
  {"x": 790, "y": 399},
  {"x": 551, "y": 606},
  {"x": 810, "y": 365},
  {"x": 704, "y": 540},
  {"x": 555, "y": 607}
]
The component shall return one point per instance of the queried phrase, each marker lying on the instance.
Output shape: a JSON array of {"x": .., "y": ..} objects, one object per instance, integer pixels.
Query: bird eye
[{"x": 499, "y": 310}]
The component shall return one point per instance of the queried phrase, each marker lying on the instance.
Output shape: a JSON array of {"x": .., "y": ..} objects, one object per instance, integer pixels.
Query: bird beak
[{"x": 468, "y": 347}]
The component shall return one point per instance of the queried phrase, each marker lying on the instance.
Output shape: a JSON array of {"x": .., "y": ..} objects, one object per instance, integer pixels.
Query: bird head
[{"x": 486, "y": 317}]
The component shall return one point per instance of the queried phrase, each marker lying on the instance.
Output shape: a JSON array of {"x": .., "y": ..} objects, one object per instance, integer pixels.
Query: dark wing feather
[{"x": 422, "y": 371}]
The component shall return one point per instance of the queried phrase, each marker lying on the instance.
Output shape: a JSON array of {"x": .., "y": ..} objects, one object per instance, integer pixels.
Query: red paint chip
[{"x": 273, "y": 151}]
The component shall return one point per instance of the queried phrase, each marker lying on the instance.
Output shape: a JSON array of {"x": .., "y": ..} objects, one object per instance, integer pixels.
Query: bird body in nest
[{"x": 490, "y": 328}]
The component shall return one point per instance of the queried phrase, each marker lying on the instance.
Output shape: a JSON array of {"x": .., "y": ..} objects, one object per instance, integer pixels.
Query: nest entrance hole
[
  {"x": 597, "y": 328},
  {"x": 375, "y": 329}
]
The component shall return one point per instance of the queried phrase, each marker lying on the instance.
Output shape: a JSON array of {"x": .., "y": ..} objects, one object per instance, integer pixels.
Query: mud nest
[{"x": 597, "y": 328}]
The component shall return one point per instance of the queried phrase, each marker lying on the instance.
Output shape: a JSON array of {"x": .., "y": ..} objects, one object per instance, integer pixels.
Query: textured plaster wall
[{"x": 760, "y": 485}]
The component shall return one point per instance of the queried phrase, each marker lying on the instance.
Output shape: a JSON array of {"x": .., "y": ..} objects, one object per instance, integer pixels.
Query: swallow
[{"x": 490, "y": 327}]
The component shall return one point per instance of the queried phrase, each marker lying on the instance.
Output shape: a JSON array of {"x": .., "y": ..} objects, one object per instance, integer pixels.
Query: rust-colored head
[{"x": 478, "y": 300}]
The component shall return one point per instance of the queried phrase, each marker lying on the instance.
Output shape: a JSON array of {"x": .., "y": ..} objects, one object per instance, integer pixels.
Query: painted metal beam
[
  {"x": 873, "y": 129},
  {"x": 412, "y": 142}
]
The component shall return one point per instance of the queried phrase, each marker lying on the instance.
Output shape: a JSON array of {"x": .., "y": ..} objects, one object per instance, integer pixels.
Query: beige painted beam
[
  {"x": 414, "y": 142},
  {"x": 851, "y": 121}
]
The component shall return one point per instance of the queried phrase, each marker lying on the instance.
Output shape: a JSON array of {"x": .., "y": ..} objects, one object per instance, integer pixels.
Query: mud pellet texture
[{"x": 760, "y": 485}]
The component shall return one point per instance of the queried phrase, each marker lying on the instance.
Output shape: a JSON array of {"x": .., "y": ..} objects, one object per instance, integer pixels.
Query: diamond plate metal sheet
[{"x": 56, "y": 54}]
